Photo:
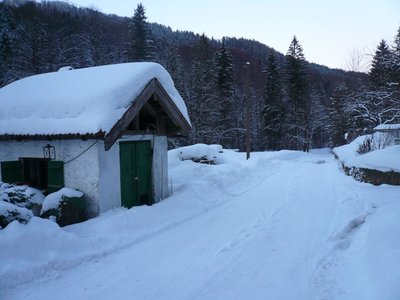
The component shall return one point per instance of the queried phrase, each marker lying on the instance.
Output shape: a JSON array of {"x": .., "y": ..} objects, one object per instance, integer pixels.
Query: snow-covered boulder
[
  {"x": 66, "y": 206},
  {"x": 201, "y": 153},
  {"x": 10, "y": 212}
]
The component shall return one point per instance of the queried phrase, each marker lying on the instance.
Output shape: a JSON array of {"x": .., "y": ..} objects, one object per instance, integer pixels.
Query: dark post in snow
[{"x": 246, "y": 66}]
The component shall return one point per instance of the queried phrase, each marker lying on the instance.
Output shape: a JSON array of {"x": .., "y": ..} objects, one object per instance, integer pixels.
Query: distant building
[{"x": 390, "y": 131}]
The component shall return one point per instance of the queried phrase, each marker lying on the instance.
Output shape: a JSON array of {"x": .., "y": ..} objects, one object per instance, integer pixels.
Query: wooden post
[{"x": 247, "y": 111}]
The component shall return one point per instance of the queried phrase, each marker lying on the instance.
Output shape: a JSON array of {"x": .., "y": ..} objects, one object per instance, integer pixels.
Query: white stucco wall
[
  {"x": 109, "y": 177},
  {"x": 160, "y": 168},
  {"x": 81, "y": 173}
]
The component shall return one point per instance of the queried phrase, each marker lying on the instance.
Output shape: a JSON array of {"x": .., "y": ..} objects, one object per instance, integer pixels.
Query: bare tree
[
  {"x": 358, "y": 60},
  {"x": 372, "y": 108}
]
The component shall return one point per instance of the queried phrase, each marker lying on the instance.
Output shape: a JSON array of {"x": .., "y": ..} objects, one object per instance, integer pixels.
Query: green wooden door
[
  {"x": 135, "y": 166},
  {"x": 55, "y": 175}
]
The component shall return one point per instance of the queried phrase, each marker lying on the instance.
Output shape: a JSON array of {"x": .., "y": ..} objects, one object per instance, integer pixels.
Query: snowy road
[{"x": 284, "y": 226}]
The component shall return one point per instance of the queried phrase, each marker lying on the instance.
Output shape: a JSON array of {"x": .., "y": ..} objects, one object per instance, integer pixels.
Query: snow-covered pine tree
[
  {"x": 202, "y": 104},
  {"x": 318, "y": 117},
  {"x": 140, "y": 44},
  {"x": 31, "y": 48},
  {"x": 170, "y": 58},
  {"x": 380, "y": 71},
  {"x": 337, "y": 116},
  {"x": 298, "y": 99},
  {"x": 273, "y": 109},
  {"x": 7, "y": 27},
  {"x": 394, "y": 62},
  {"x": 225, "y": 87},
  {"x": 95, "y": 44}
]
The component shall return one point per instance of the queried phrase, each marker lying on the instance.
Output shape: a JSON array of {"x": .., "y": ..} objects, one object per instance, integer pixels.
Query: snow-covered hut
[{"x": 102, "y": 130}]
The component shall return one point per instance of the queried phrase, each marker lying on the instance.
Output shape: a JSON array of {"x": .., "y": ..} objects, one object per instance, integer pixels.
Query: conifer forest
[{"x": 291, "y": 103}]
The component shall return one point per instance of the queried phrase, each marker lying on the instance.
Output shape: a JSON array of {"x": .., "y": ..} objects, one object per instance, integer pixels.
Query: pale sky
[{"x": 328, "y": 30}]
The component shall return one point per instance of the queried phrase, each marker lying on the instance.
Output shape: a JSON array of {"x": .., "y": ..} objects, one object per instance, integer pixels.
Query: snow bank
[
  {"x": 78, "y": 101},
  {"x": 52, "y": 201},
  {"x": 347, "y": 154},
  {"x": 375, "y": 254},
  {"x": 383, "y": 160}
]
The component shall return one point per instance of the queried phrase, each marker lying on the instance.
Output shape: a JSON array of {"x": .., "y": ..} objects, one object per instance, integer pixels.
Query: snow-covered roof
[
  {"x": 386, "y": 127},
  {"x": 80, "y": 101}
]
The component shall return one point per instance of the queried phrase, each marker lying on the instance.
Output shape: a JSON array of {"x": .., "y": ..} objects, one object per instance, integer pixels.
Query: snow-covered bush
[
  {"x": 4, "y": 186},
  {"x": 366, "y": 146},
  {"x": 65, "y": 207},
  {"x": 21, "y": 196},
  {"x": 10, "y": 212}
]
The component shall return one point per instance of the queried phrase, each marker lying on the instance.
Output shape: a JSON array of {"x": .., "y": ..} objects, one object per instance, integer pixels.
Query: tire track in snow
[{"x": 325, "y": 281}]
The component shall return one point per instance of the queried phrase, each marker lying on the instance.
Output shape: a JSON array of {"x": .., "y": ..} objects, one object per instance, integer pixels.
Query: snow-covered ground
[{"x": 283, "y": 225}]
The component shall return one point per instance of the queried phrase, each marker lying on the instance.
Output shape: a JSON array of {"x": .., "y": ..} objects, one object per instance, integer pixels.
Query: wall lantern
[{"x": 49, "y": 152}]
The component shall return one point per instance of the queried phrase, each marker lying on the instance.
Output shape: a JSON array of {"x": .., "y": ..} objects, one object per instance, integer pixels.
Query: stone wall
[{"x": 373, "y": 176}]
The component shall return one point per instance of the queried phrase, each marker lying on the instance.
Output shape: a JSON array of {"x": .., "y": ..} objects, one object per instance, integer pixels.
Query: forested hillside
[{"x": 292, "y": 104}]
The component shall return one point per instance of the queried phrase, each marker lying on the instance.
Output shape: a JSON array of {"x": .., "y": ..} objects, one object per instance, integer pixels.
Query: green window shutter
[
  {"x": 55, "y": 176},
  {"x": 11, "y": 171}
]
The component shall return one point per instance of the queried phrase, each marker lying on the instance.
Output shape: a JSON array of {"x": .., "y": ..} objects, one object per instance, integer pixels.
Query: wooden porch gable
[{"x": 152, "y": 110}]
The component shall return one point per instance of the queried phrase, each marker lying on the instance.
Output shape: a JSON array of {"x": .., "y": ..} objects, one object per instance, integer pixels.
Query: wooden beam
[
  {"x": 161, "y": 130},
  {"x": 171, "y": 109},
  {"x": 130, "y": 114},
  {"x": 140, "y": 132}
]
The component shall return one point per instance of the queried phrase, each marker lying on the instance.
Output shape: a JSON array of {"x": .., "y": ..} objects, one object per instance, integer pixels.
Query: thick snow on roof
[
  {"x": 387, "y": 127},
  {"x": 78, "y": 101}
]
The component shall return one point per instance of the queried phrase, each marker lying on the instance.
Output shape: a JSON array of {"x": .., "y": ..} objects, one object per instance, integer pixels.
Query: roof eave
[{"x": 68, "y": 136}]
